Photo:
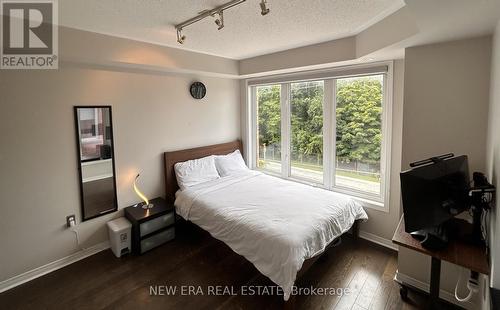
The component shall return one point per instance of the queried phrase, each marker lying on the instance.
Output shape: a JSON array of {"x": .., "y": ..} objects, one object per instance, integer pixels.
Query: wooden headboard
[{"x": 171, "y": 158}]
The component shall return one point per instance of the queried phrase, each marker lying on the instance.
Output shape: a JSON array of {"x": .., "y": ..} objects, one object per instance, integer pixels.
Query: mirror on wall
[{"x": 94, "y": 133}]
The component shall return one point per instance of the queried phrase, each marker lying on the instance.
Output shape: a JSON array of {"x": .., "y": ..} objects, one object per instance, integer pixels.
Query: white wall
[
  {"x": 38, "y": 159},
  {"x": 445, "y": 110},
  {"x": 493, "y": 156}
]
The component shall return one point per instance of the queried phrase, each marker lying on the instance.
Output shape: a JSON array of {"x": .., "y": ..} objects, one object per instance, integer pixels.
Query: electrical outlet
[{"x": 70, "y": 220}]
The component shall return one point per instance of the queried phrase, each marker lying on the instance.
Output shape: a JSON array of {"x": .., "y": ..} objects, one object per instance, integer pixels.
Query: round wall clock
[{"x": 198, "y": 90}]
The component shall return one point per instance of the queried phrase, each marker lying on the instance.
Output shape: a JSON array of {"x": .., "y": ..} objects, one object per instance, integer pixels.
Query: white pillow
[
  {"x": 230, "y": 163},
  {"x": 195, "y": 171}
]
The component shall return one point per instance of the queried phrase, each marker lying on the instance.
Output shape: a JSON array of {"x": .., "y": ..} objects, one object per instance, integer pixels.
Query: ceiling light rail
[{"x": 217, "y": 13}]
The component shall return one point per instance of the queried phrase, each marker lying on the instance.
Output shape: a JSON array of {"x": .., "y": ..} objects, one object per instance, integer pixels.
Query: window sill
[
  {"x": 371, "y": 204},
  {"x": 365, "y": 202}
]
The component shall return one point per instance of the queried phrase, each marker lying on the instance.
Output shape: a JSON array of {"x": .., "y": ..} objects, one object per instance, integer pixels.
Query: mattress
[{"x": 274, "y": 223}]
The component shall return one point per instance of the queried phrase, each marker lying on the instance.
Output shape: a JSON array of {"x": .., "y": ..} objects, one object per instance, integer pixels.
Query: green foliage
[
  {"x": 307, "y": 118},
  {"x": 358, "y": 118},
  {"x": 359, "y": 110},
  {"x": 269, "y": 115}
]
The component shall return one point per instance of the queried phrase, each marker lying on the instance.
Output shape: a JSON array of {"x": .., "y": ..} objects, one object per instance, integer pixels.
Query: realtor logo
[{"x": 29, "y": 36}]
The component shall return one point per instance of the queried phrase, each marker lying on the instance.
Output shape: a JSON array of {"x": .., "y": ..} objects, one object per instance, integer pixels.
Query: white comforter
[{"x": 274, "y": 223}]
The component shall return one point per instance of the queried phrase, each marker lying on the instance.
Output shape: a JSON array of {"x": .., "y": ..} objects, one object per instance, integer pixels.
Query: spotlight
[
  {"x": 217, "y": 14},
  {"x": 264, "y": 9},
  {"x": 220, "y": 21},
  {"x": 180, "y": 37}
]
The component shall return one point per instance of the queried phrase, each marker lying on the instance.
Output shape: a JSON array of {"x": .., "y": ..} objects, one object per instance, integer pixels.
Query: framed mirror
[{"x": 96, "y": 164}]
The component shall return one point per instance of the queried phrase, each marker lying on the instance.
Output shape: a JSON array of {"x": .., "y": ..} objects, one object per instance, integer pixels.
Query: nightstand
[{"x": 151, "y": 227}]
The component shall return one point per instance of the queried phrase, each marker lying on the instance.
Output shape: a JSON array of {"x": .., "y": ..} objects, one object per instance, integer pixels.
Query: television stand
[{"x": 458, "y": 252}]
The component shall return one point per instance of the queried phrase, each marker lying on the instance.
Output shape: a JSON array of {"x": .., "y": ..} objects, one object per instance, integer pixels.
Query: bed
[{"x": 280, "y": 226}]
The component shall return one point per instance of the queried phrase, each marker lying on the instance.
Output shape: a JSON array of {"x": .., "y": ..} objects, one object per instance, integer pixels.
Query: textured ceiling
[{"x": 291, "y": 23}]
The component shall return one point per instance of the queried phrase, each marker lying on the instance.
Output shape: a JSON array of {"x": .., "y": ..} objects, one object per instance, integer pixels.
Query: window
[
  {"x": 269, "y": 127},
  {"x": 359, "y": 133},
  {"x": 327, "y": 129},
  {"x": 306, "y": 131}
]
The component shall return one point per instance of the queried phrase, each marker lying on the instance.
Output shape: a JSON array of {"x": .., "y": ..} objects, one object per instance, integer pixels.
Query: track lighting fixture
[
  {"x": 180, "y": 37},
  {"x": 264, "y": 10},
  {"x": 219, "y": 20}
]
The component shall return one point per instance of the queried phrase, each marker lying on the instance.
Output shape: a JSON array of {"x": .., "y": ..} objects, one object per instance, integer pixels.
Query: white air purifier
[{"x": 120, "y": 232}]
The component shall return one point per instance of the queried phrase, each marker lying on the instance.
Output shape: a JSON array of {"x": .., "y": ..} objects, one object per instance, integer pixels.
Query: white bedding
[{"x": 274, "y": 223}]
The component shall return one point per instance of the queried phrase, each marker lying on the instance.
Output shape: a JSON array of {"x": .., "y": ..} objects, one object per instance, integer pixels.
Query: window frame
[{"x": 379, "y": 202}]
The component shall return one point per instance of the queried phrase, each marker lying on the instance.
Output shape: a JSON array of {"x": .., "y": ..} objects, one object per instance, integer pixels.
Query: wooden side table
[
  {"x": 458, "y": 252},
  {"x": 151, "y": 227}
]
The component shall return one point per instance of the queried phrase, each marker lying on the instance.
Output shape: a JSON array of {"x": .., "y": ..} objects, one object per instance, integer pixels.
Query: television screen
[{"x": 434, "y": 193}]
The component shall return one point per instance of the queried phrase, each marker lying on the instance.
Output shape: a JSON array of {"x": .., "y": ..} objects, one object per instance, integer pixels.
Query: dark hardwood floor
[
  {"x": 195, "y": 258},
  {"x": 98, "y": 196}
]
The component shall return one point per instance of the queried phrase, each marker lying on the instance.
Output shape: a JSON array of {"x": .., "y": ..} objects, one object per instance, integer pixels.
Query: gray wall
[
  {"x": 79, "y": 46},
  {"x": 493, "y": 156},
  {"x": 38, "y": 163},
  {"x": 445, "y": 110}
]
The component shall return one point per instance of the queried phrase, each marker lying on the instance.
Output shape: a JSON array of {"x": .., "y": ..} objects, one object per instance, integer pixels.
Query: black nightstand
[{"x": 151, "y": 227}]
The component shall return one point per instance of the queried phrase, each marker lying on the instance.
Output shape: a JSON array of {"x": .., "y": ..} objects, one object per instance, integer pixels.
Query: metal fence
[
  {"x": 273, "y": 153},
  {"x": 359, "y": 167}
]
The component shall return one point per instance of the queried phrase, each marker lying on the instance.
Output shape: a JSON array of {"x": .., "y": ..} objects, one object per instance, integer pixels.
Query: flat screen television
[{"x": 435, "y": 192}]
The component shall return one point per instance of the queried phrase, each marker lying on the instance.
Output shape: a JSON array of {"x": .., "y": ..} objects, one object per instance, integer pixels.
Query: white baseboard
[
  {"x": 445, "y": 295},
  {"x": 378, "y": 240},
  {"x": 42, "y": 270}
]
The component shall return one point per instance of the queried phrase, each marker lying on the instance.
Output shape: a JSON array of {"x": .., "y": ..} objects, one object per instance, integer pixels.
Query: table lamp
[{"x": 146, "y": 204}]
